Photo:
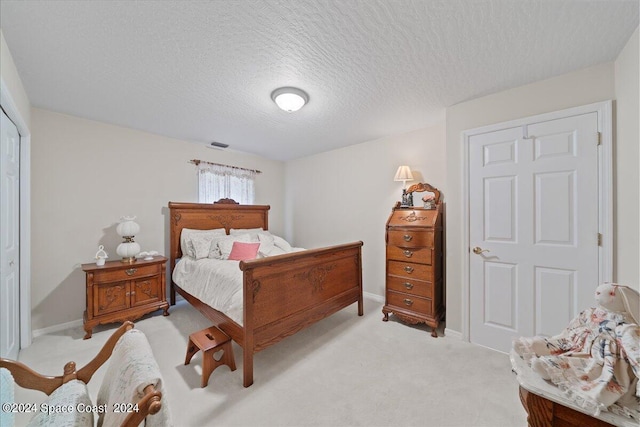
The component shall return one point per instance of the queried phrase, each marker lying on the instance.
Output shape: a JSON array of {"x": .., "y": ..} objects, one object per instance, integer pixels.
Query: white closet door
[
  {"x": 534, "y": 221},
  {"x": 9, "y": 239}
]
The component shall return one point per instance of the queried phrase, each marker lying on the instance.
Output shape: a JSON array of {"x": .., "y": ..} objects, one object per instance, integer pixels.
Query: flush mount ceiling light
[{"x": 290, "y": 99}]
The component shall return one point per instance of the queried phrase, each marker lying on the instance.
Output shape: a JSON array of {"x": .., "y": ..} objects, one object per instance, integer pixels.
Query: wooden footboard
[{"x": 286, "y": 293}]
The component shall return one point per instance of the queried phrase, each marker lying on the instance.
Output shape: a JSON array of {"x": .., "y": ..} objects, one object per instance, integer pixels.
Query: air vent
[{"x": 215, "y": 144}]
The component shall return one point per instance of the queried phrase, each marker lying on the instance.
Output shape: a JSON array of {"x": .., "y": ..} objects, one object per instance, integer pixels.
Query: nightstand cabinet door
[
  {"x": 414, "y": 284},
  {"x": 120, "y": 291},
  {"x": 145, "y": 291},
  {"x": 110, "y": 297}
]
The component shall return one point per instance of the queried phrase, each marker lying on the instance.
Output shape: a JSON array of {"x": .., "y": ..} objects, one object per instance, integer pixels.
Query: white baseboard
[
  {"x": 452, "y": 334},
  {"x": 57, "y": 328},
  {"x": 375, "y": 297},
  {"x": 179, "y": 300}
]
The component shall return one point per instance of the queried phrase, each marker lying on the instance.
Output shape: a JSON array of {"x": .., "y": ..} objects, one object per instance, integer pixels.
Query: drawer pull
[
  {"x": 408, "y": 302},
  {"x": 407, "y": 253},
  {"x": 408, "y": 285},
  {"x": 407, "y": 237},
  {"x": 131, "y": 271},
  {"x": 408, "y": 269}
]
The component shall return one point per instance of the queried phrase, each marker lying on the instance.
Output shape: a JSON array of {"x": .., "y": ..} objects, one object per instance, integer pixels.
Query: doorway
[
  {"x": 538, "y": 204},
  {"x": 9, "y": 238}
]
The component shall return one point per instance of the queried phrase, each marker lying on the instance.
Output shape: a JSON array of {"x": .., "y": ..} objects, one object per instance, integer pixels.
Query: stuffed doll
[{"x": 595, "y": 360}]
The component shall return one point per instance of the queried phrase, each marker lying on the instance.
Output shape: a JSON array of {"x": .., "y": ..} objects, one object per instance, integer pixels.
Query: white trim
[
  {"x": 10, "y": 107},
  {"x": 57, "y": 328},
  {"x": 605, "y": 190},
  {"x": 375, "y": 297},
  {"x": 453, "y": 334}
]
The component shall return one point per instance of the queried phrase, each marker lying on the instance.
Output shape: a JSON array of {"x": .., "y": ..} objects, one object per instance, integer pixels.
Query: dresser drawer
[
  {"x": 132, "y": 272},
  {"x": 410, "y": 238},
  {"x": 419, "y": 255},
  {"x": 410, "y": 302},
  {"x": 410, "y": 286},
  {"x": 410, "y": 270}
]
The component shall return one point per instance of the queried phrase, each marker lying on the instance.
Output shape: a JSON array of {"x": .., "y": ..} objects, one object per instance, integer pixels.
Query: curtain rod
[{"x": 197, "y": 162}]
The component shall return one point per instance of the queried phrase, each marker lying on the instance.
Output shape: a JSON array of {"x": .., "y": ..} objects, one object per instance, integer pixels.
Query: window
[{"x": 217, "y": 182}]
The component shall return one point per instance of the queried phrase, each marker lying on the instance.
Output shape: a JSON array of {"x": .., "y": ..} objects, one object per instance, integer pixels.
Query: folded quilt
[{"x": 132, "y": 368}]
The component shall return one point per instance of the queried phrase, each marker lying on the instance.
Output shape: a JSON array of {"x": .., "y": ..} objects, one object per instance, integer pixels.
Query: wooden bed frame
[{"x": 281, "y": 294}]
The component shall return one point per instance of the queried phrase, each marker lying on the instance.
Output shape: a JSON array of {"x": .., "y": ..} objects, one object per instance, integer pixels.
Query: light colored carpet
[{"x": 343, "y": 371}]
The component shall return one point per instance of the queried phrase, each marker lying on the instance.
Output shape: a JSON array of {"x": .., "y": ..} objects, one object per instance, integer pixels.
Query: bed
[{"x": 281, "y": 294}]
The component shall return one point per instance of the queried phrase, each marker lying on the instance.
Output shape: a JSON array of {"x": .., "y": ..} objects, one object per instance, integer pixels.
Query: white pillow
[
  {"x": 281, "y": 243},
  {"x": 253, "y": 232},
  {"x": 214, "y": 253},
  {"x": 266, "y": 244},
  {"x": 186, "y": 243},
  {"x": 226, "y": 244}
]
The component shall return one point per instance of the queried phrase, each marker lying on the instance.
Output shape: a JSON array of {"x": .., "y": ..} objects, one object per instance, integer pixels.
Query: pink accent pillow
[{"x": 244, "y": 251}]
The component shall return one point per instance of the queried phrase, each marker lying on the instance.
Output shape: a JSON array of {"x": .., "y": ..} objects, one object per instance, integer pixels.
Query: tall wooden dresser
[{"x": 414, "y": 290}]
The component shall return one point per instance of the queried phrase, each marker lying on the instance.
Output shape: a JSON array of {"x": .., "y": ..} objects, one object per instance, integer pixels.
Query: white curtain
[{"x": 216, "y": 182}]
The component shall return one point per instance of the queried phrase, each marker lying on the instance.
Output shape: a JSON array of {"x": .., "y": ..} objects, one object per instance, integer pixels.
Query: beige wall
[
  {"x": 86, "y": 174},
  {"x": 347, "y": 194},
  {"x": 626, "y": 177},
  {"x": 11, "y": 78},
  {"x": 574, "y": 89}
]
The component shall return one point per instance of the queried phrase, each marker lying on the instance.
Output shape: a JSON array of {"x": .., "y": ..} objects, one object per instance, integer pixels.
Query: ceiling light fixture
[{"x": 290, "y": 99}]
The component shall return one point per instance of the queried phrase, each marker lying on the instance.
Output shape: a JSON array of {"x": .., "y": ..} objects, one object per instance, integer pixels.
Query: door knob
[{"x": 478, "y": 250}]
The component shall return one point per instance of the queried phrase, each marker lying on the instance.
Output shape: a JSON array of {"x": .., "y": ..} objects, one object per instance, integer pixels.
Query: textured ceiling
[{"x": 204, "y": 70}]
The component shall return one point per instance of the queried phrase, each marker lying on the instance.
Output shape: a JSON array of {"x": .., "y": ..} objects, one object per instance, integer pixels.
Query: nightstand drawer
[
  {"x": 410, "y": 270},
  {"x": 419, "y": 255},
  {"x": 131, "y": 272},
  {"x": 410, "y": 239},
  {"x": 410, "y": 286},
  {"x": 410, "y": 302}
]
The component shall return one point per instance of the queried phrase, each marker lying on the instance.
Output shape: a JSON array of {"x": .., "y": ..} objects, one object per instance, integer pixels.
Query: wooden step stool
[{"x": 210, "y": 341}]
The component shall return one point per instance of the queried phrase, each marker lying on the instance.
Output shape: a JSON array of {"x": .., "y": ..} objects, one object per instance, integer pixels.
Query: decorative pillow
[
  {"x": 201, "y": 244},
  {"x": 243, "y": 251},
  {"x": 7, "y": 385},
  {"x": 72, "y": 393},
  {"x": 214, "y": 252},
  {"x": 186, "y": 244},
  {"x": 226, "y": 245}
]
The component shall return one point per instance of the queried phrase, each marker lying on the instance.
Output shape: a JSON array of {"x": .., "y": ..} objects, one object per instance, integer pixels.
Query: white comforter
[{"x": 217, "y": 283}]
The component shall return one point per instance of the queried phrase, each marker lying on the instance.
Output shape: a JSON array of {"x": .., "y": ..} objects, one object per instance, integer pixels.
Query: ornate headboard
[{"x": 225, "y": 214}]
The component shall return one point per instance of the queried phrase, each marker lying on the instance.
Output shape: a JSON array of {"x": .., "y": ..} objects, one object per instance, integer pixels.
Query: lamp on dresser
[
  {"x": 404, "y": 174},
  {"x": 127, "y": 229}
]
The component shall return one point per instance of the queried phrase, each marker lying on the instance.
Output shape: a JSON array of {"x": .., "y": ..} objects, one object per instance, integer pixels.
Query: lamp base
[{"x": 129, "y": 260}]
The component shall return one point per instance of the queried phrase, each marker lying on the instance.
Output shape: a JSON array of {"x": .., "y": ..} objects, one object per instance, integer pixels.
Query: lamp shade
[
  {"x": 290, "y": 99},
  {"x": 127, "y": 226},
  {"x": 403, "y": 174}
]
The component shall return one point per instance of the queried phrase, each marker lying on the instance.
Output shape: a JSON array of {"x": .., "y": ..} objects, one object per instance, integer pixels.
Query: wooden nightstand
[{"x": 119, "y": 291}]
